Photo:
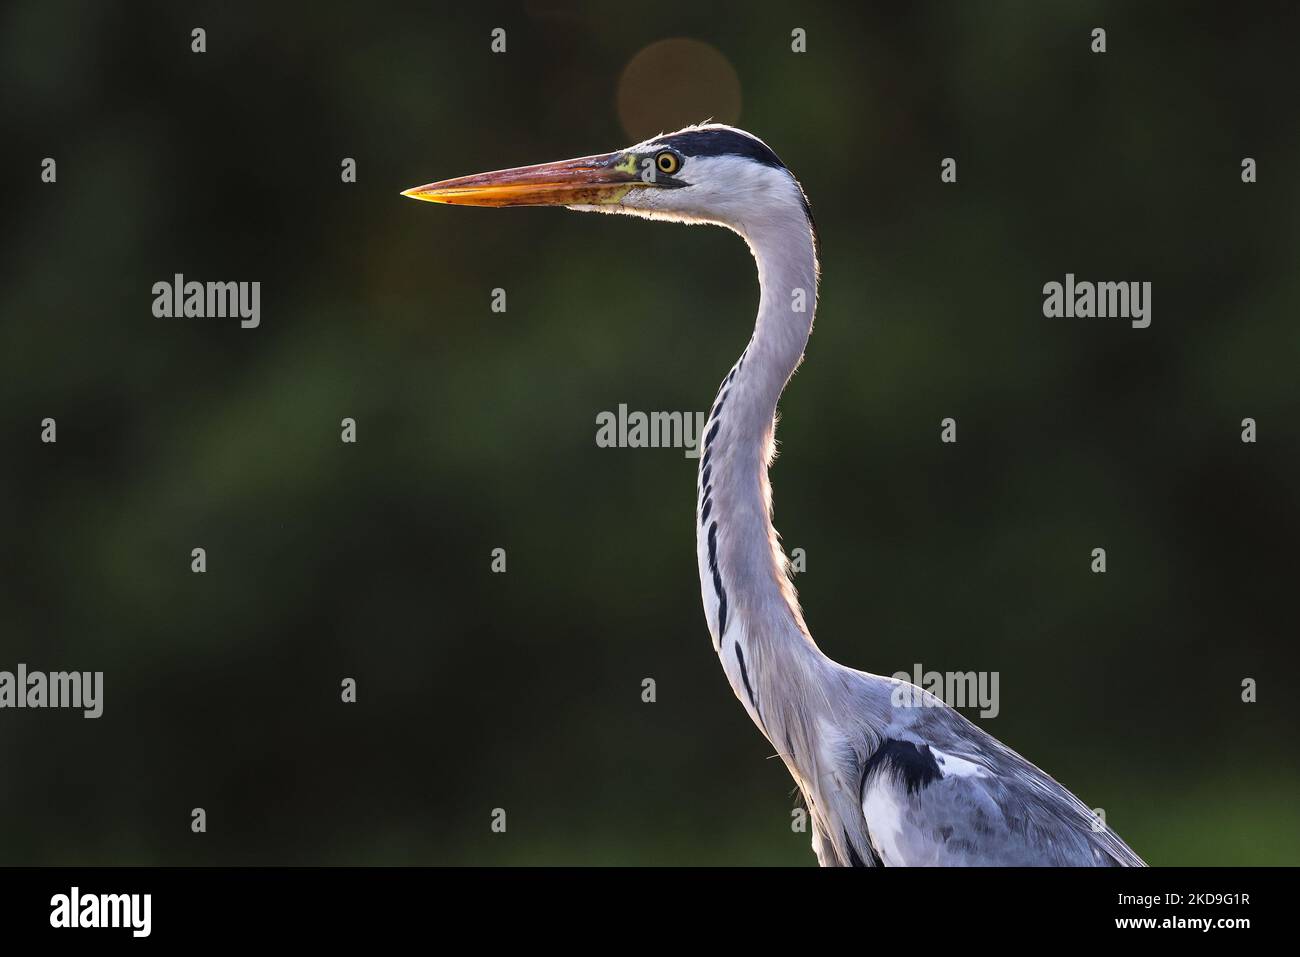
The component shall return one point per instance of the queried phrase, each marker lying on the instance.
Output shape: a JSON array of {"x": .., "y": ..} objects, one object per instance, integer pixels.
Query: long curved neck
[{"x": 749, "y": 601}]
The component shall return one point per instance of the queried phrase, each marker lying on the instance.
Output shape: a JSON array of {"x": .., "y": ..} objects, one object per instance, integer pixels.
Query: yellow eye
[{"x": 668, "y": 162}]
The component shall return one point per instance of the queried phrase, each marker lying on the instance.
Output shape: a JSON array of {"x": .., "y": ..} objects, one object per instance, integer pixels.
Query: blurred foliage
[{"x": 476, "y": 430}]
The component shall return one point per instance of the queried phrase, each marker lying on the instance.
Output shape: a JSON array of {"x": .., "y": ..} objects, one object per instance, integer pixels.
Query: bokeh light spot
[{"x": 675, "y": 82}]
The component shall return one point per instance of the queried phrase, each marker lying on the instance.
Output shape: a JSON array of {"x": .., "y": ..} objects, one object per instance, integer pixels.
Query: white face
[{"x": 731, "y": 191}]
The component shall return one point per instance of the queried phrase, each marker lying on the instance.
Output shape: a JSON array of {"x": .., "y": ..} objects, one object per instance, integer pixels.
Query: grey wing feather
[{"x": 939, "y": 791}]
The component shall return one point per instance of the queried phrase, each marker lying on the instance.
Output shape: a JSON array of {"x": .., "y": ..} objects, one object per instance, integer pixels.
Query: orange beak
[{"x": 587, "y": 181}]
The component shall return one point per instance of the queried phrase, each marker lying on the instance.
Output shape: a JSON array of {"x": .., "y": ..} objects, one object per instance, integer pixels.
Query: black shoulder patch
[
  {"x": 721, "y": 142},
  {"x": 913, "y": 765}
]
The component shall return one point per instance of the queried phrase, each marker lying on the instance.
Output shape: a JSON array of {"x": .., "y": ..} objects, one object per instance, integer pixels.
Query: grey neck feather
[
  {"x": 790, "y": 689},
  {"x": 741, "y": 561}
]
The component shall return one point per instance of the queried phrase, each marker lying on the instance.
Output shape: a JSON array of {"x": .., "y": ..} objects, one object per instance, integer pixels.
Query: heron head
[{"x": 710, "y": 173}]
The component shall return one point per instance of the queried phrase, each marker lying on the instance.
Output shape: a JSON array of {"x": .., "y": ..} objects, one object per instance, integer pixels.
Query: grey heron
[{"x": 891, "y": 775}]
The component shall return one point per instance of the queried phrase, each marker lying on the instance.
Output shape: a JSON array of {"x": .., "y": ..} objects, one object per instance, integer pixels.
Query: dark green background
[{"x": 477, "y": 430}]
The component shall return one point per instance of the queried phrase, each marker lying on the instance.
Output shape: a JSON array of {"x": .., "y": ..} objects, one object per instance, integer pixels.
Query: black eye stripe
[{"x": 715, "y": 141}]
